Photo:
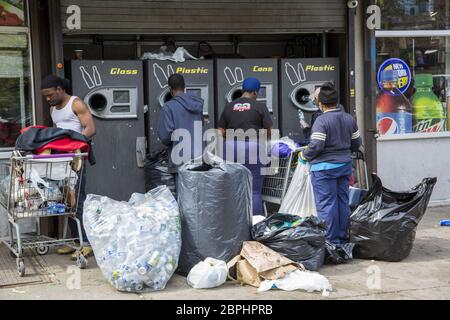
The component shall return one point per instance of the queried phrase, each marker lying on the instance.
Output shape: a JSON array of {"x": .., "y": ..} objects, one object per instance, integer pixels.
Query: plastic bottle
[
  {"x": 448, "y": 107},
  {"x": 394, "y": 111},
  {"x": 428, "y": 114},
  {"x": 154, "y": 259}
]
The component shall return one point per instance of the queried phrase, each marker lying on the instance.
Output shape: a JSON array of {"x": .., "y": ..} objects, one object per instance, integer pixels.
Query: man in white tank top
[
  {"x": 70, "y": 112},
  {"x": 67, "y": 112}
]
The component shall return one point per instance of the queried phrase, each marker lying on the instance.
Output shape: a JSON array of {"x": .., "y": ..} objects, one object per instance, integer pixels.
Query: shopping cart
[
  {"x": 41, "y": 186},
  {"x": 360, "y": 185},
  {"x": 278, "y": 178},
  {"x": 277, "y": 182}
]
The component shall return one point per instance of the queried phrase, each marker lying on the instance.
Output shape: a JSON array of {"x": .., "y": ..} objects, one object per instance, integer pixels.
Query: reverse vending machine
[
  {"x": 113, "y": 91},
  {"x": 299, "y": 79},
  {"x": 232, "y": 72},
  {"x": 199, "y": 80}
]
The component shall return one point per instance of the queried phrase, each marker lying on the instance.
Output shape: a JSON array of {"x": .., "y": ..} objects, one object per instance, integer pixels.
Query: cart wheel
[
  {"x": 20, "y": 267},
  {"x": 43, "y": 250},
  {"x": 81, "y": 261}
]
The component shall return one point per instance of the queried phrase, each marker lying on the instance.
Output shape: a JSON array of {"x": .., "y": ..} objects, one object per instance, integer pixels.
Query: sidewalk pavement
[{"x": 425, "y": 274}]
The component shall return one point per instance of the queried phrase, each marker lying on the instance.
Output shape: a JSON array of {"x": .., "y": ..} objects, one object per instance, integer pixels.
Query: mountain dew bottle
[{"x": 428, "y": 113}]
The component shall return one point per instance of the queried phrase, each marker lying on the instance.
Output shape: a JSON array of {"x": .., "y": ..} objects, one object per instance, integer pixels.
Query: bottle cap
[{"x": 424, "y": 80}]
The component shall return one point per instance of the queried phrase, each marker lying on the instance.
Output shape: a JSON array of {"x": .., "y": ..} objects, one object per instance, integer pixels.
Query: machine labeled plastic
[
  {"x": 199, "y": 80},
  {"x": 299, "y": 79},
  {"x": 113, "y": 91},
  {"x": 231, "y": 74}
]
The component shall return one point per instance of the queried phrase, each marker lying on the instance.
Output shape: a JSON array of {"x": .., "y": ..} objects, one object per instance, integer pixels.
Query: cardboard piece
[{"x": 257, "y": 263}]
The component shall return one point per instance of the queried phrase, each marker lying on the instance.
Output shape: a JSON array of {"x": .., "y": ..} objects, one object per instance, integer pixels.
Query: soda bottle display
[
  {"x": 394, "y": 111},
  {"x": 448, "y": 108},
  {"x": 428, "y": 113}
]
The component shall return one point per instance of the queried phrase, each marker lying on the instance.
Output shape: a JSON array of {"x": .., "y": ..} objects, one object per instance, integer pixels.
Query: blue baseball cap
[
  {"x": 389, "y": 75},
  {"x": 251, "y": 84}
]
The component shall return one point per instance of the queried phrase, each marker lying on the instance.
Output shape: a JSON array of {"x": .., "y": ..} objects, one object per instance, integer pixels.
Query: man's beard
[{"x": 53, "y": 103}]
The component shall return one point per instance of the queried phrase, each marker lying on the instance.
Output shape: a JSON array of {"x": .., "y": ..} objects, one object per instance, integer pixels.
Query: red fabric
[
  {"x": 352, "y": 181},
  {"x": 65, "y": 145},
  {"x": 62, "y": 145},
  {"x": 25, "y": 129}
]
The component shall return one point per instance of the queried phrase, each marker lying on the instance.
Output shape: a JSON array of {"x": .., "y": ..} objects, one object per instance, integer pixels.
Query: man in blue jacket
[
  {"x": 334, "y": 136},
  {"x": 183, "y": 111}
]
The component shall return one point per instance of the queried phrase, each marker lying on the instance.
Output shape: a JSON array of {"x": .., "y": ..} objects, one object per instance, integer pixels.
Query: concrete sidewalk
[{"x": 425, "y": 274}]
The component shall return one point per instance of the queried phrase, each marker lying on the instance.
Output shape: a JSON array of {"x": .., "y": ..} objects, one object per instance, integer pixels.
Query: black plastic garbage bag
[
  {"x": 299, "y": 239},
  {"x": 384, "y": 225},
  {"x": 157, "y": 172},
  {"x": 338, "y": 254},
  {"x": 215, "y": 203}
]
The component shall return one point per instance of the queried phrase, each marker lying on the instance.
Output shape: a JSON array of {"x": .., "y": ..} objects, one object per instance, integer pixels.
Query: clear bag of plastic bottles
[{"x": 136, "y": 243}]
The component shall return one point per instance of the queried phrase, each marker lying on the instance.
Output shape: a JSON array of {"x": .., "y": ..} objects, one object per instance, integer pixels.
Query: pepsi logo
[{"x": 387, "y": 125}]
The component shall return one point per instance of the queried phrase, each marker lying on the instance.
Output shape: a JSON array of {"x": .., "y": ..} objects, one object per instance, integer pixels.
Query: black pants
[{"x": 79, "y": 214}]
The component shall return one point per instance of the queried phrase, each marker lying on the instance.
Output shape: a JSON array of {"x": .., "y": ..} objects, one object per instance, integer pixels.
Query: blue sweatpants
[
  {"x": 331, "y": 192},
  {"x": 250, "y": 151}
]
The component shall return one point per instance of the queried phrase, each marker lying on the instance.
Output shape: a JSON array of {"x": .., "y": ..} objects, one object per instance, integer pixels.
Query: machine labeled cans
[
  {"x": 199, "y": 80},
  {"x": 299, "y": 79},
  {"x": 113, "y": 91},
  {"x": 232, "y": 72}
]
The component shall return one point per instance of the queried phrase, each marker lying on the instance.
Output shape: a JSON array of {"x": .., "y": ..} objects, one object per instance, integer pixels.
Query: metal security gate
[{"x": 204, "y": 16}]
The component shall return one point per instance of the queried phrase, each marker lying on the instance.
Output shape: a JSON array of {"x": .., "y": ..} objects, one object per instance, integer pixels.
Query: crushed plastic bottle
[
  {"x": 136, "y": 243},
  {"x": 56, "y": 208}
]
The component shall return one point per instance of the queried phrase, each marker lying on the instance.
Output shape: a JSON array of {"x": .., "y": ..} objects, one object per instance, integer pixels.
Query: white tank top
[{"x": 65, "y": 118}]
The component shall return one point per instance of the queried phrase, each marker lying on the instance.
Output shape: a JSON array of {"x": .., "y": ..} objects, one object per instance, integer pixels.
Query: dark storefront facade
[{"x": 48, "y": 35}]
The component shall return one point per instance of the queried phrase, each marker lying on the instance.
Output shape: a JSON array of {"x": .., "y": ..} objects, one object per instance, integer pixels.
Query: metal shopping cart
[
  {"x": 360, "y": 185},
  {"x": 41, "y": 186},
  {"x": 278, "y": 178},
  {"x": 277, "y": 182}
]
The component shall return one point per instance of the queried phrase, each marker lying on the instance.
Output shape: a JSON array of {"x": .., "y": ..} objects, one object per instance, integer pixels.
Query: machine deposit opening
[
  {"x": 236, "y": 94},
  {"x": 98, "y": 102},
  {"x": 302, "y": 96}
]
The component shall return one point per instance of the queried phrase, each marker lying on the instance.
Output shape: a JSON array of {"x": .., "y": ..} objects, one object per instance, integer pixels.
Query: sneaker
[
  {"x": 86, "y": 252},
  {"x": 65, "y": 250}
]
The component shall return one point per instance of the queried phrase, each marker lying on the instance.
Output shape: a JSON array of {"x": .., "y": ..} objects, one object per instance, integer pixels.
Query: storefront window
[
  {"x": 414, "y": 85},
  {"x": 15, "y": 73},
  {"x": 414, "y": 14},
  {"x": 12, "y": 13}
]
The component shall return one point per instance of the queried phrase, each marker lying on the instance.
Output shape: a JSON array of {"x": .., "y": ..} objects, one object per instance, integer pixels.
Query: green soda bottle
[{"x": 428, "y": 114}]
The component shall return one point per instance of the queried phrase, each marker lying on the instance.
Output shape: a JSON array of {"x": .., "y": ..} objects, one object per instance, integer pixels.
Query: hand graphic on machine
[
  {"x": 161, "y": 75},
  {"x": 233, "y": 78},
  {"x": 295, "y": 76},
  {"x": 91, "y": 81}
]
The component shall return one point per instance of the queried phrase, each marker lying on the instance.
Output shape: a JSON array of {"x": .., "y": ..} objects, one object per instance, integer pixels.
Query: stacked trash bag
[{"x": 141, "y": 243}]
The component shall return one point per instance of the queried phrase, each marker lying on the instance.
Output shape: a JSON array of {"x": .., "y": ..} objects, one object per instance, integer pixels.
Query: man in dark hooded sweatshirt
[{"x": 183, "y": 111}]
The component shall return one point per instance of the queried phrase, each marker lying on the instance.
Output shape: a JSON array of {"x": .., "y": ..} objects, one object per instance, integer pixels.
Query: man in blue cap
[{"x": 249, "y": 115}]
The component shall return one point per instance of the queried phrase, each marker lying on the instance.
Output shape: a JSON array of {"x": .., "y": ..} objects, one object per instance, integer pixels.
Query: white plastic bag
[
  {"x": 299, "y": 199},
  {"x": 180, "y": 55},
  {"x": 137, "y": 243},
  {"x": 207, "y": 274},
  {"x": 35, "y": 181},
  {"x": 257, "y": 219},
  {"x": 299, "y": 280}
]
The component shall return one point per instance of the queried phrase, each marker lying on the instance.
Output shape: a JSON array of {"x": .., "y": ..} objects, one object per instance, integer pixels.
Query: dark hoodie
[{"x": 180, "y": 113}]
